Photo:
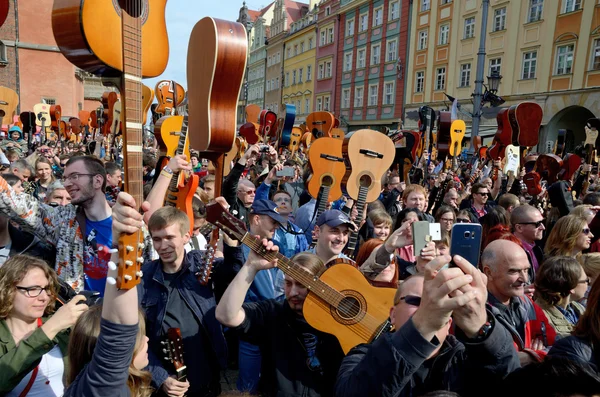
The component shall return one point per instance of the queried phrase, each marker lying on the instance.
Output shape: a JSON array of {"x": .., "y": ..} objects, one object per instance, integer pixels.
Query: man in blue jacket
[
  {"x": 172, "y": 297},
  {"x": 421, "y": 356}
]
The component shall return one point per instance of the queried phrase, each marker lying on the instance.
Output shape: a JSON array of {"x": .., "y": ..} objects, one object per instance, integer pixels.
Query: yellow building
[
  {"x": 546, "y": 51},
  {"x": 299, "y": 52}
]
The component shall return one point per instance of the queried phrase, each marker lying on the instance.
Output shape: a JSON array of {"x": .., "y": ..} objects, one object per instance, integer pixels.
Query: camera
[{"x": 264, "y": 148}]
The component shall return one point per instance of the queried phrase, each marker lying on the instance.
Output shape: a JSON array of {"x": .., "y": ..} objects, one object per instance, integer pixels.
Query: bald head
[
  {"x": 522, "y": 213},
  {"x": 499, "y": 251},
  {"x": 507, "y": 268}
]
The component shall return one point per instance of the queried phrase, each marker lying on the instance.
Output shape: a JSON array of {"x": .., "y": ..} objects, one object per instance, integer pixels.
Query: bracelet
[
  {"x": 167, "y": 170},
  {"x": 166, "y": 174}
]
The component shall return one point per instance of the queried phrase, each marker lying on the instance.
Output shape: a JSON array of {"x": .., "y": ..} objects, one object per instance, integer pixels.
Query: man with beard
[
  {"x": 80, "y": 231},
  {"x": 507, "y": 269}
]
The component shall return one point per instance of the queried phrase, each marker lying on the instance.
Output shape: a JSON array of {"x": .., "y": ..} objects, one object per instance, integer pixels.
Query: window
[
  {"x": 321, "y": 71},
  {"x": 306, "y": 106},
  {"x": 329, "y": 35},
  {"x": 392, "y": 50},
  {"x": 378, "y": 16},
  {"x": 394, "y": 10},
  {"x": 596, "y": 55},
  {"x": 295, "y": 49},
  {"x": 440, "y": 79},
  {"x": 361, "y": 58},
  {"x": 535, "y": 10},
  {"x": 422, "y": 40},
  {"x": 446, "y": 2},
  {"x": 495, "y": 65},
  {"x": 363, "y": 22},
  {"x": 309, "y": 73},
  {"x": 323, "y": 41},
  {"x": 358, "y": 96},
  {"x": 373, "y": 94},
  {"x": 298, "y": 104},
  {"x": 571, "y": 5},
  {"x": 277, "y": 83},
  {"x": 49, "y": 101},
  {"x": 469, "y": 28},
  {"x": 465, "y": 75},
  {"x": 500, "y": 19},
  {"x": 345, "y": 98},
  {"x": 3, "y": 54},
  {"x": 326, "y": 103},
  {"x": 268, "y": 61},
  {"x": 420, "y": 82},
  {"x": 444, "y": 32},
  {"x": 293, "y": 77},
  {"x": 564, "y": 59},
  {"x": 301, "y": 47},
  {"x": 328, "y": 69},
  {"x": 350, "y": 27},
  {"x": 319, "y": 104},
  {"x": 279, "y": 56},
  {"x": 347, "y": 62},
  {"x": 425, "y": 5},
  {"x": 268, "y": 85},
  {"x": 529, "y": 65},
  {"x": 388, "y": 93},
  {"x": 300, "y": 73},
  {"x": 375, "y": 54},
  {"x": 287, "y": 79},
  {"x": 289, "y": 52},
  {"x": 310, "y": 43},
  {"x": 327, "y": 11}
]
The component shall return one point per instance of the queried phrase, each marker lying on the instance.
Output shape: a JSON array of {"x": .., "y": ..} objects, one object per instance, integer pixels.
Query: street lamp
[{"x": 494, "y": 81}]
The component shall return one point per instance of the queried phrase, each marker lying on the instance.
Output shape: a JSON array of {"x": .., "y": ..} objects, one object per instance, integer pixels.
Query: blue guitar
[{"x": 286, "y": 127}]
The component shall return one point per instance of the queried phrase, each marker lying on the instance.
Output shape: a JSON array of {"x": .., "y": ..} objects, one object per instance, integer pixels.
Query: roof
[
  {"x": 294, "y": 10},
  {"x": 254, "y": 14}
]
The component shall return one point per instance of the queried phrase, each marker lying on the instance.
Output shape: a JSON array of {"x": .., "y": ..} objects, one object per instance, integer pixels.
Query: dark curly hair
[{"x": 556, "y": 277}]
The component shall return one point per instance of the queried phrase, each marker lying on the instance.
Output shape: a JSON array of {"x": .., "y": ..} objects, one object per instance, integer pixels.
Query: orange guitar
[
  {"x": 55, "y": 115},
  {"x": 147, "y": 98},
  {"x": 169, "y": 95},
  {"x": 252, "y": 113},
  {"x": 340, "y": 301},
  {"x": 167, "y": 132},
  {"x": 328, "y": 169},
  {"x": 9, "y": 100},
  {"x": 296, "y": 137},
  {"x": 320, "y": 123}
]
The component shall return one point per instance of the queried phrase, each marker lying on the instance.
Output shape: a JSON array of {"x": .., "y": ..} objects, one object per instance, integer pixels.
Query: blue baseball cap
[
  {"x": 335, "y": 218},
  {"x": 267, "y": 207}
]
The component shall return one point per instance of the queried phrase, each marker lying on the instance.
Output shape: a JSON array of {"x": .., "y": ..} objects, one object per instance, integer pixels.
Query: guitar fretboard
[{"x": 360, "y": 206}]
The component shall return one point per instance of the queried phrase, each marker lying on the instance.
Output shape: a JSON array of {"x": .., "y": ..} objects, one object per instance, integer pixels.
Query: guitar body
[
  {"x": 457, "y": 134},
  {"x": 216, "y": 63},
  {"x": 570, "y": 165},
  {"x": 9, "y": 100},
  {"x": 443, "y": 135},
  {"x": 503, "y": 136},
  {"x": 166, "y": 131},
  {"x": 55, "y": 115},
  {"x": 182, "y": 199},
  {"x": 88, "y": 34},
  {"x": 350, "y": 281},
  {"x": 288, "y": 124},
  {"x": 295, "y": 138},
  {"x": 147, "y": 98},
  {"x": 4, "y": 6},
  {"x": 307, "y": 139},
  {"x": 337, "y": 133},
  {"x": 532, "y": 182},
  {"x": 42, "y": 114},
  {"x": 320, "y": 123},
  {"x": 512, "y": 157},
  {"x": 250, "y": 132},
  {"x": 548, "y": 166},
  {"x": 109, "y": 98},
  {"x": 369, "y": 155},
  {"x": 327, "y": 164},
  {"x": 252, "y": 113},
  {"x": 267, "y": 122},
  {"x": 169, "y": 95},
  {"x": 525, "y": 120}
]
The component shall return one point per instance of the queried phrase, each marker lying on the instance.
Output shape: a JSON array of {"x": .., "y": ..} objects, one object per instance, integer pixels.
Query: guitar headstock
[
  {"x": 173, "y": 348},
  {"x": 131, "y": 247},
  {"x": 220, "y": 217}
]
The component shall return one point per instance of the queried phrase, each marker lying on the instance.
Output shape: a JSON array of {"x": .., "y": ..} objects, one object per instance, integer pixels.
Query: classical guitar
[
  {"x": 169, "y": 95},
  {"x": 337, "y": 133},
  {"x": 80, "y": 30},
  {"x": 252, "y": 113},
  {"x": 525, "y": 121},
  {"x": 249, "y": 131},
  {"x": 295, "y": 138},
  {"x": 502, "y": 138},
  {"x": 147, "y": 98},
  {"x": 341, "y": 302},
  {"x": 369, "y": 155},
  {"x": 512, "y": 165},
  {"x": 288, "y": 123},
  {"x": 320, "y": 123},
  {"x": 327, "y": 167},
  {"x": 173, "y": 349},
  {"x": 75, "y": 129},
  {"x": 4, "y": 6},
  {"x": 9, "y": 100},
  {"x": 443, "y": 135},
  {"x": 55, "y": 115}
]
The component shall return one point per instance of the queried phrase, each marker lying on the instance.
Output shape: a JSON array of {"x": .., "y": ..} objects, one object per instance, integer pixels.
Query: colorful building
[
  {"x": 546, "y": 51},
  {"x": 326, "y": 57}
]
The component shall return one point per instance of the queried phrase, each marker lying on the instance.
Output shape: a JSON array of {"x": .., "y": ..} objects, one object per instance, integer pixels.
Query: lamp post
[{"x": 477, "y": 95}]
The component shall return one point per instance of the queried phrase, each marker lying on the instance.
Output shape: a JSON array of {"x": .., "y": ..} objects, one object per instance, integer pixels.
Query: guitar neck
[
  {"x": 322, "y": 200},
  {"x": 360, "y": 206},
  {"x": 180, "y": 150}
]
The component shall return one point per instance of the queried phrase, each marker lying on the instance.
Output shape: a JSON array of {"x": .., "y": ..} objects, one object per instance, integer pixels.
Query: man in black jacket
[{"x": 421, "y": 356}]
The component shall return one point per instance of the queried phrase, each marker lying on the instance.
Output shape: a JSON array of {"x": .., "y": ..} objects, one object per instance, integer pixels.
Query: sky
[{"x": 181, "y": 17}]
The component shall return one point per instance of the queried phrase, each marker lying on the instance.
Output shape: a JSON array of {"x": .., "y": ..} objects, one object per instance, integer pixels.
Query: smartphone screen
[{"x": 466, "y": 242}]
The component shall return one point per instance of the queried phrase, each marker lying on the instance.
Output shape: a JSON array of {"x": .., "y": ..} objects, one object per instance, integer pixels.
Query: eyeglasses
[
  {"x": 462, "y": 220},
  {"x": 586, "y": 231},
  {"x": 33, "y": 292},
  {"x": 586, "y": 281},
  {"x": 412, "y": 300},
  {"x": 536, "y": 224},
  {"x": 74, "y": 177},
  {"x": 249, "y": 192},
  {"x": 447, "y": 220},
  {"x": 482, "y": 194}
]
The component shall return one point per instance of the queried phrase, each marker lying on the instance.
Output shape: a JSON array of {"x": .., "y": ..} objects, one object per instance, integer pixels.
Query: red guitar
[
  {"x": 525, "y": 120},
  {"x": 443, "y": 136},
  {"x": 267, "y": 128},
  {"x": 502, "y": 138}
]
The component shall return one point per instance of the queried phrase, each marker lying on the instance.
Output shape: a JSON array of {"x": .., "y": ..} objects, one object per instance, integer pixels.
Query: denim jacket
[{"x": 154, "y": 295}]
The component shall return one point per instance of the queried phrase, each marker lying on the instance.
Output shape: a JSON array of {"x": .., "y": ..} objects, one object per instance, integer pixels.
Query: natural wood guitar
[
  {"x": 9, "y": 100},
  {"x": 320, "y": 123},
  {"x": 341, "y": 301},
  {"x": 327, "y": 166}
]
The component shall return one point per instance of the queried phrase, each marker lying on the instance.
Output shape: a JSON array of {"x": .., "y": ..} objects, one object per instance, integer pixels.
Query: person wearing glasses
[
  {"x": 421, "y": 356},
  {"x": 479, "y": 200},
  {"x": 570, "y": 236},
  {"x": 33, "y": 338},
  {"x": 528, "y": 226},
  {"x": 465, "y": 216},
  {"x": 560, "y": 283},
  {"x": 446, "y": 217},
  {"x": 80, "y": 232}
]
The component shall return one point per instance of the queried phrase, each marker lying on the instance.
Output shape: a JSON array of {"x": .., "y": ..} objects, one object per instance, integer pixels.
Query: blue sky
[{"x": 181, "y": 16}]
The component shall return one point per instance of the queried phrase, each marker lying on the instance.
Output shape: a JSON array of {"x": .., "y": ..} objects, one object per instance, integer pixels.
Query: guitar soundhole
[
  {"x": 135, "y": 8},
  {"x": 366, "y": 181},
  {"x": 351, "y": 309},
  {"x": 327, "y": 180}
]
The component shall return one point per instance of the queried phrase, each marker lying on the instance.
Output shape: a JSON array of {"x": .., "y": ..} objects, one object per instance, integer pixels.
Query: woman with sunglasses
[
  {"x": 33, "y": 343},
  {"x": 560, "y": 282},
  {"x": 569, "y": 237},
  {"x": 465, "y": 216}
]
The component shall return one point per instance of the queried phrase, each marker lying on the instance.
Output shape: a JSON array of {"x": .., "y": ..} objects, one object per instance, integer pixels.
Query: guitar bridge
[
  {"x": 371, "y": 153},
  {"x": 331, "y": 158}
]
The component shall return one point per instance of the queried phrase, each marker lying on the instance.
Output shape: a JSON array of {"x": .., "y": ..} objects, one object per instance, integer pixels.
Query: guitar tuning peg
[
  {"x": 162, "y": 342},
  {"x": 139, "y": 273},
  {"x": 128, "y": 263},
  {"x": 140, "y": 246},
  {"x": 127, "y": 277},
  {"x": 111, "y": 280},
  {"x": 112, "y": 265}
]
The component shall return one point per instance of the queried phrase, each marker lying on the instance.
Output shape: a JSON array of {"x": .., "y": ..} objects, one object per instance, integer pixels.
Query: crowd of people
[{"x": 524, "y": 320}]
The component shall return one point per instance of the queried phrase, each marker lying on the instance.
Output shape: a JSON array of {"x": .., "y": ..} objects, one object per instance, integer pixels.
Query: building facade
[
  {"x": 546, "y": 51},
  {"x": 257, "y": 57},
  {"x": 299, "y": 64},
  {"x": 326, "y": 54},
  {"x": 371, "y": 56}
]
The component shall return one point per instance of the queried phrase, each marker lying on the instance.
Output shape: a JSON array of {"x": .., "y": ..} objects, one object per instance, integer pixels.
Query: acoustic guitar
[
  {"x": 173, "y": 350},
  {"x": 337, "y": 133},
  {"x": 267, "y": 125},
  {"x": 502, "y": 138},
  {"x": 443, "y": 135},
  {"x": 80, "y": 30},
  {"x": 55, "y": 126},
  {"x": 9, "y": 100},
  {"x": 167, "y": 132},
  {"x": 147, "y": 98},
  {"x": 4, "y": 6},
  {"x": 341, "y": 302},
  {"x": 113, "y": 130},
  {"x": 591, "y": 137},
  {"x": 328, "y": 169},
  {"x": 252, "y": 113},
  {"x": 169, "y": 95},
  {"x": 288, "y": 123},
  {"x": 249, "y": 131},
  {"x": 525, "y": 121},
  {"x": 295, "y": 138},
  {"x": 85, "y": 117},
  {"x": 75, "y": 129},
  {"x": 368, "y": 154},
  {"x": 512, "y": 165},
  {"x": 320, "y": 123},
  {"x": 457, "y": 134}
]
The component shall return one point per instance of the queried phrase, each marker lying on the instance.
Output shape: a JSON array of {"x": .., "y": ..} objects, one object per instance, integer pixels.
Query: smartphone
[
  {"x": 91, "y": 297},
  {"x": 466, "y": 242},
  {"x": 286, "y": 171},
  {"x": 421, "y": 236}
]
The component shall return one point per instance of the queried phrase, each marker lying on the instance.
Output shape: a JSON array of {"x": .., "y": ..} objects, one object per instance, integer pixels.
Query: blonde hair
[
  {"x": 564, "y": 234},
  {"x": 591, "y": 264},
  {"x": 380, "y": 216},
  {"x": 82, "y": 343},
  {"x": 411, "y": 189},
  {"x": 14, "y": 271},
  {"x": 582, "y": 211}
]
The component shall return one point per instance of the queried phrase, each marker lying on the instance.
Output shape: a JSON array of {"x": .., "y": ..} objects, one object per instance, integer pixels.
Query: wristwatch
[
  {"x": 167, "y": 170},
  {"x": 485, "y": 329}
]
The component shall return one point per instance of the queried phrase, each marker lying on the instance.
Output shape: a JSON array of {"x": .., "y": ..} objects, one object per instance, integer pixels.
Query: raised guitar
[
  {"x": 320, "y": 123},
  {"x": 341, "y": 302},
  {"x": 169, "y": 95},
  {"x": 252, "y": 113},
  {"x": 443, "y": 135},
  {"x": 9, "y": 100},
  {"x": 502, "y": 138},
  {"x": 173, "y": 349},
  {"x": 288, "y": 123},
  {"x": 525, "y": 121},
  {"x": 147, "y": 98},
  {"x": 327, "y": 167},
  {"x": 267, "y": 125}
]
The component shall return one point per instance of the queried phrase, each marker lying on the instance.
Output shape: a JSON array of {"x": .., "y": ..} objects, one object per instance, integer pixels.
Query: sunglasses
[
  {"x": 462, "y": 220},
  {"x": 586, "y": 281},
  {"x": 586, "y": 231},
  {"x": 412, "y": 300},
  {"x": 536, "y": 224}
]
